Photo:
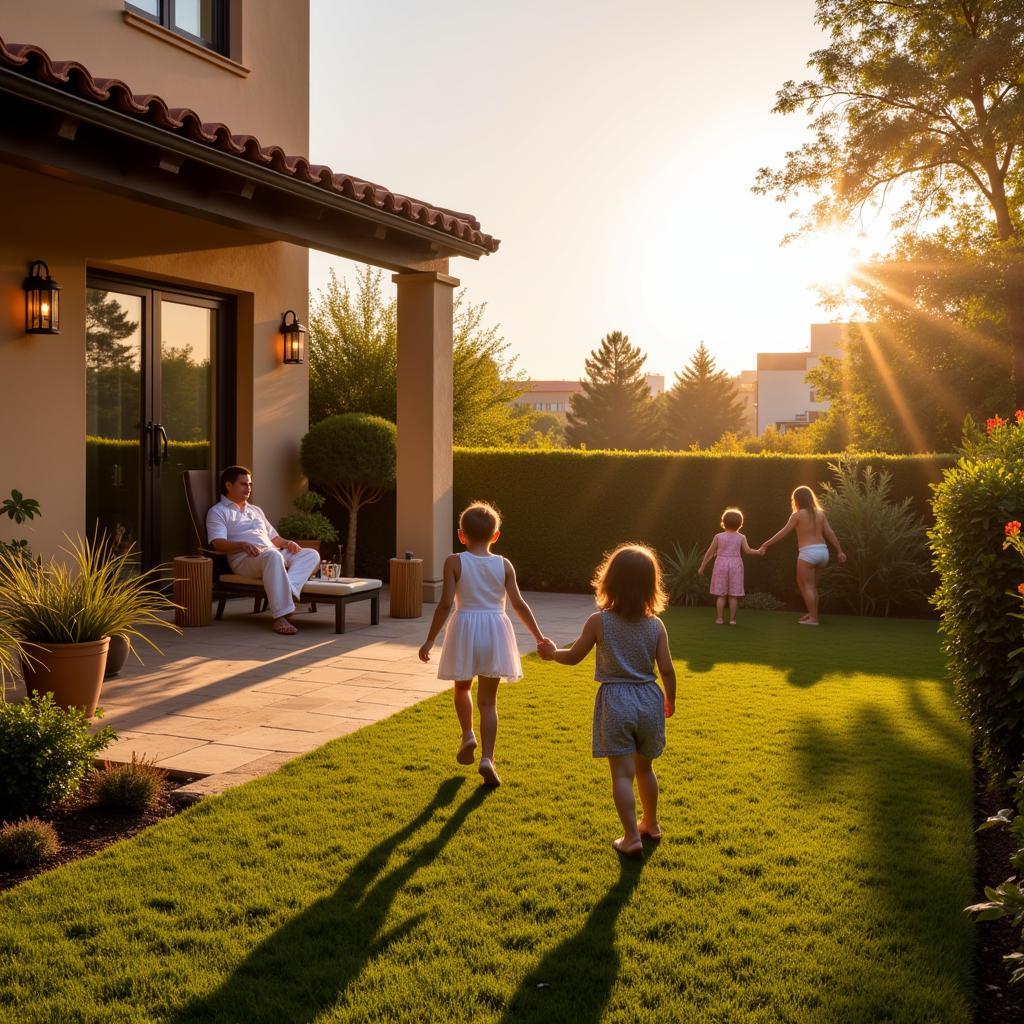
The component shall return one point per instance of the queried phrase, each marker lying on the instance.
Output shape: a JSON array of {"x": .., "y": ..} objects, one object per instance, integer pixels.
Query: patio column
[{"x": 424, "y": 500}]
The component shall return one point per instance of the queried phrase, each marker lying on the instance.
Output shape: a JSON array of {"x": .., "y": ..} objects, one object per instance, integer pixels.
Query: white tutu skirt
[{"x": 480, "y": 643}]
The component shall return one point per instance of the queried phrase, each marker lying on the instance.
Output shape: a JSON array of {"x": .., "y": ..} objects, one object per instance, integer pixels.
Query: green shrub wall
[{"x": 564, "y": 509}]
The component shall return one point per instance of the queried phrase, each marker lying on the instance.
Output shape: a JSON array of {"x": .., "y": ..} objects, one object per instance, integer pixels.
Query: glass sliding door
[{"x": 156, "y": 390}]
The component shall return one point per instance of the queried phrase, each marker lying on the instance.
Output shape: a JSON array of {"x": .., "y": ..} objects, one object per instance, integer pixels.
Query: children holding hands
[
  {"x": 479, "y": 640},
  {"x": 630, "y": 709},
  {"x": 728, "y": 549}
]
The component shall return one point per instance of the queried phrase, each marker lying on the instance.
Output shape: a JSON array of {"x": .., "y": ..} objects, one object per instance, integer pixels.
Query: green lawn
[{"x": 818, "y": 852}]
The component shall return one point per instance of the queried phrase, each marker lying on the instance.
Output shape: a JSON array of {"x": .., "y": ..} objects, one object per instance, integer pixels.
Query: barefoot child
[
  {"x": 728, "y": 549},
  {"x": 812, "y": 532},
  {"x": 479, "y": 640},
  {"x": 630, "y": 709}
]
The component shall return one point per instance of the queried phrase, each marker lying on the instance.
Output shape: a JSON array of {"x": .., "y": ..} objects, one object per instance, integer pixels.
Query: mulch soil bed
[
  {"x": 85, "y": 828},
  {"x": 997, "y": 1001}
]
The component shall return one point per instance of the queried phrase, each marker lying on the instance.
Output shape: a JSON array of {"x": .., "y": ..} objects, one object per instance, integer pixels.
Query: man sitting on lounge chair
[{"x": 240, "y": 530}]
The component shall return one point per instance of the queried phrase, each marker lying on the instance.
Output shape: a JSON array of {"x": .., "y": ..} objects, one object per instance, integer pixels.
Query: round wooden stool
[
  {"x": 193, "y": 590},
  {"x": 406, "y": 582}
]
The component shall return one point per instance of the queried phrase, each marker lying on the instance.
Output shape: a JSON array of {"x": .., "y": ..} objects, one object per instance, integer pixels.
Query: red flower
[
  {"x": 1019, "y": 415},
  {"x": 1012, "y": 528},
  {"x": 994, "y": 423},
  {"x": 1020, "y": 588}
]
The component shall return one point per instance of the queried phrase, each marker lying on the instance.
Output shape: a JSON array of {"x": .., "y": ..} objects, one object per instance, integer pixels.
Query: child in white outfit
[{"x": 479, "y": 640}]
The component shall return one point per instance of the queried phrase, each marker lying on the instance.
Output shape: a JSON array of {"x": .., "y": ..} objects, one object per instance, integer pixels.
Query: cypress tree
[
  {"x": 615, "y": 409},
  {"x": 702, "y": 405}
]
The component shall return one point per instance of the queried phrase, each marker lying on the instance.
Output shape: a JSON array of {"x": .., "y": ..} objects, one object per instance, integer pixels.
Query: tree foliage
[
  {"x": 352, "y": 457},
  {"x": 353, "y": 362},
  {"x": 922, "y": 102},
  {"x": 615, "y": 409},
  {"x": 702, "y": 405}
]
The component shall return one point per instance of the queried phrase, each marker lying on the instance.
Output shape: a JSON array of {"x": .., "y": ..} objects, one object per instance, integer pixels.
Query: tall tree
[
  {"x": 923, "y": 99},
  {"x": 353, "y": 362},
  {"x": 615, "y": 409},
  {"x": 702, "y": 405}
]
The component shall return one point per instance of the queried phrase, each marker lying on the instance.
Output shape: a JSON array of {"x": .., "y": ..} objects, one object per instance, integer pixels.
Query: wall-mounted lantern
[
  {"x": 42, "y": 300},
  {"x": 293, "y": 334}
]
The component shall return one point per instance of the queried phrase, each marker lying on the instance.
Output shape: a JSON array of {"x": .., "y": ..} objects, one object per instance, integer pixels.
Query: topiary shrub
[
  {"x": 134, "y": 787},
  {"x": 977, "y": 585},
  {"x": 46, "y": 752},
  {"x": 24, "y": 844},
  {"x": 308, "y": 523},
  {"x": 886, "y": 544},
  {"x": 352, "y": 458}
]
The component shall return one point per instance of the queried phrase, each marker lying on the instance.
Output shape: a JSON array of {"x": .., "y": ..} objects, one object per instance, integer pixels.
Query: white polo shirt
[{"x": 226, "y": 521}]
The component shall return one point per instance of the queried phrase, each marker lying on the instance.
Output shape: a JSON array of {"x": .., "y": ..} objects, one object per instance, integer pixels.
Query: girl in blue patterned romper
[{"x": 630, "y": 708}]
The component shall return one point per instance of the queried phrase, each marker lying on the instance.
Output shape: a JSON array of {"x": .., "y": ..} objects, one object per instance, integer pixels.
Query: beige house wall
[
  {"x": 75, "y": 228},
  {"x": 270, "y": 37},
  {"x": 42, "y": 377}
]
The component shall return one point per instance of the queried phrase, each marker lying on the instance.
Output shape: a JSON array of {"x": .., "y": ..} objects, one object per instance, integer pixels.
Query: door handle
[{"x": 163, "y": 455}]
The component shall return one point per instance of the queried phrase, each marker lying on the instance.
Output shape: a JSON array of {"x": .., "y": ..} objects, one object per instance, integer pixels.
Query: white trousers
[{"x": 283, "y": 574}]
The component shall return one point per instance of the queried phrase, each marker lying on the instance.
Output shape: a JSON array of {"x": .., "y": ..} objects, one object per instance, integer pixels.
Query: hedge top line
[{"x": 941, "y": 458}]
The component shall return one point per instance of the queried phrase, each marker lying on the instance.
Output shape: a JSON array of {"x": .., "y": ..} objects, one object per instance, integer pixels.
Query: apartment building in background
[{"x": 784, "y": 399}]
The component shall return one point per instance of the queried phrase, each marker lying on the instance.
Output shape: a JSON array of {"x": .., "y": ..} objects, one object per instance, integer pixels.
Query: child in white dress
[{"x": 479, "y": 640}]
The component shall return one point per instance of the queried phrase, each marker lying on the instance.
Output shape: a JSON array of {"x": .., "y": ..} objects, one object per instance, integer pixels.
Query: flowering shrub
[{"x": 978, "y": 507}]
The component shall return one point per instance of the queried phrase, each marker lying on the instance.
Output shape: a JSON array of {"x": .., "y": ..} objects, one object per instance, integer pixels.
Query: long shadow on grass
[
  {"x": 910, "y": 871},
  {"x": 304, "y": 967},
  {"x": 573, "y": 982},
  {"x": 842, "y": 645}
]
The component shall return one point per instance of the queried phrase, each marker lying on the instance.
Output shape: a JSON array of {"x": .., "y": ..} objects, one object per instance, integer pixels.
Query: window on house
[{"x": 203, "y": 21}]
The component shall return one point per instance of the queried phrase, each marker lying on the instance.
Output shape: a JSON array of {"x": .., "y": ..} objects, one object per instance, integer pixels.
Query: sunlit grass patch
[{"x": 818, "y": 852}]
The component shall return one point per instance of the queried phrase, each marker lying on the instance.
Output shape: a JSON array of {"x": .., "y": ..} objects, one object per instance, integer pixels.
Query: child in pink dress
[{"x": 728, "y": 549}]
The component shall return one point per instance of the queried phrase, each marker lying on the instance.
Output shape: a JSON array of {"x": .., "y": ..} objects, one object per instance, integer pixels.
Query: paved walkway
[{"x": 234, "y": 700}]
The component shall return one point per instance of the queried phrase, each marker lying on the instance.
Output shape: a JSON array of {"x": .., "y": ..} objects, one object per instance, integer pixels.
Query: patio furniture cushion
[{"x": 348, "y": 585}]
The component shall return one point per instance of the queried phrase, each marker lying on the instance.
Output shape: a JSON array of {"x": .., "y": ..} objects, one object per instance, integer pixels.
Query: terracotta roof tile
[{"x": 71, "y": 76}]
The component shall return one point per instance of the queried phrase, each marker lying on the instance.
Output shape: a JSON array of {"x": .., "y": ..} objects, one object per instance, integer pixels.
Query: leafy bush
[
  {"x": 885, "y": 542},
  {"x": 309, "y": 523},
  {"x": 976, "y": 593},
  {"x": 18, "y": 508},
  {"x": 46, "y": 752},
  {"x": 134, "y": 787},
  {"x": 683, "y": 583},
  {"x": 23, "y": 844},
  {"x": 1007, "y": 900},
  {"x": 758, "y": 601}
]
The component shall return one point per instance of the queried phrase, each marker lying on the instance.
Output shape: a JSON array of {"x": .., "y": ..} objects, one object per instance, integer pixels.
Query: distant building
[
  {"x": 746, "y": 388},
  {"x": 784, "y": 399},
  {"x": 554, "y": 395}
]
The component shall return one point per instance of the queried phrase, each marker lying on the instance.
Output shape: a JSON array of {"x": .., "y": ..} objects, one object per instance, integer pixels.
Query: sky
[{"x": 610, "y": 147}]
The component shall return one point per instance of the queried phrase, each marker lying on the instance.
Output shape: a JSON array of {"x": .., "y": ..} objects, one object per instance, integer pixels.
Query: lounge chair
[{"x": 226, "y": 584}]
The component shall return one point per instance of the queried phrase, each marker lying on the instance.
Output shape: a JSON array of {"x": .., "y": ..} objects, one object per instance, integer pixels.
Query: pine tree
[
  {"x": 702, "y": 405},
  {"x": 615, "y": 409}
]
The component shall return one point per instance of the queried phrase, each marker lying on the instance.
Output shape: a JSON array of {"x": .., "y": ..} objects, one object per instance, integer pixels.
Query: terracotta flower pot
[
  {"x": 314, "y": 544},
  {"x": 117, "y": 655},
  {"x": 73, "y": 673}
]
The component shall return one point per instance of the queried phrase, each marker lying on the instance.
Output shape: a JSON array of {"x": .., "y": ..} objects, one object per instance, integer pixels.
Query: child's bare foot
[
  {"x": 653, "y": 831},
  {"x": 732, "y": 622},
  {"x": 808, "y": 622},
  {"x": 629, "y": 847},
  {"x": 486, "y": 770},
  {"x": 719, "y": 622},
  {"x": 467, "y": 750}
]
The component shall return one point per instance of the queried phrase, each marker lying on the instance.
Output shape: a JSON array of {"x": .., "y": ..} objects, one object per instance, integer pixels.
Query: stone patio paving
[{"x": 234, "y": 700}]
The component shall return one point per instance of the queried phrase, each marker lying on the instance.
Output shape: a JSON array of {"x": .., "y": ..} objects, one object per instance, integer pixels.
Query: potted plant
[
  {"x": 64, "y": 611},
  {"x": 308, "y": 527}
]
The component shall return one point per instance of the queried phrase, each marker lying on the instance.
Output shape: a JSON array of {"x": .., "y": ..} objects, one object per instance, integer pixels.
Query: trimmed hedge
[
  {"x": 564, "y": 508},
  {"x": 977, "y": 593}
]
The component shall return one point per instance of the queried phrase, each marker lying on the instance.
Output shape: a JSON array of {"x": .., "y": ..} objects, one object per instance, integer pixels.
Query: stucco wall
[
  {"x": 42, "y": 378},
  {"x": 271, "y": 102}
]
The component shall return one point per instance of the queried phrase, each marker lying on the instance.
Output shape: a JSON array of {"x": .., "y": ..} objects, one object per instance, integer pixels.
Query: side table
[
  {"x": 193, "y": 590},
  {"x": 406, "y": 583}
]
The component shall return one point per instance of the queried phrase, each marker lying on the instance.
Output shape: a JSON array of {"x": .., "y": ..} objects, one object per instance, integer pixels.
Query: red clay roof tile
[{"x": 71, "y": 76}]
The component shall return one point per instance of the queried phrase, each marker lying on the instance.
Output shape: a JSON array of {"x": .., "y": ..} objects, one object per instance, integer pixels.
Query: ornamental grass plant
[{"x": 92, "y": 593}]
